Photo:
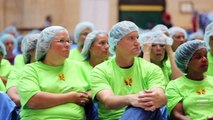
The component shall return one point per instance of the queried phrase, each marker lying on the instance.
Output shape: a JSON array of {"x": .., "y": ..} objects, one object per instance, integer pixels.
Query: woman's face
[
  {"x": 100, "y": 47},
  {"x": 199, "y": 61},
  {"x": 179, "y": 38},
  {"x": 157, "y": 52},
  {"x": 9, "y": 45},
  {"x": 60, "y": 45},
  {"x": 211, "y": 42},
  {"x": 83, "y": 36}
]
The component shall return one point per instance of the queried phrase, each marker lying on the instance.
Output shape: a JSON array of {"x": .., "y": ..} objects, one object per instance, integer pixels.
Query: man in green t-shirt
[{"x": 127, "y": 80}]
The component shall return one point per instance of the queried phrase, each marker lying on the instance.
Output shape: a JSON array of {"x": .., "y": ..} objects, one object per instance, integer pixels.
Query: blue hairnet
[
  {"x": 118, "y": 31},
  {"x": 194, "y": 35},
  {"x": 4, "y": 37},
  {"x": 174, "y": 30},
  {"x": 208, "y": 33},
  {"x": 185, "y": 51},
  {"x": 46, "y": 37},
  {"x": 160, "y": 27},
  {"x": 91, "y": 37},
  {"x": 11, "y": 30},
  {"x": 28, "y": 46},
  {"x": 156, "y": 37},
  {"x": 81, "y": 27},
  {"x": 2, "y": 49}
]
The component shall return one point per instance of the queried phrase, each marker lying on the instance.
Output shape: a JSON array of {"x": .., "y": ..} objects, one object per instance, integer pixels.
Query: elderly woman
[
  {"x": 190, "y": 95},
  {"x": 95, "y": 49},
  {"x": 9, "y": 42},
  {"x": 5, "y": 66},
  {"x": 208, "y": 38},
  {"x": 28, "y": 56},
  {"x": 54, "y": 87},
  {"x": 178, "y": 35},
  {"x": 80, "y": 34},
  {"x": 94, "y": 52}
]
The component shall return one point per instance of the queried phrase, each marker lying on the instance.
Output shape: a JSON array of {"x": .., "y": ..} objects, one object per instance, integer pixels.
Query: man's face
[{"x": 129, "y": 45}]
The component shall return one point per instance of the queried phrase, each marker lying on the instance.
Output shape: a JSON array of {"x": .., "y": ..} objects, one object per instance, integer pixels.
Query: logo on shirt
[
  {"x": 202, "y": 91},
  {"x": 61, "y": 76},
  {"x": 128, "y": 81}
]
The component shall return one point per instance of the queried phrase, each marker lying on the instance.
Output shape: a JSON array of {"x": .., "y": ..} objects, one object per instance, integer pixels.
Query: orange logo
[
  {"x": 199, "y": 92},
  {"x": 128, "y": 81},
  {"x": 61, "y": 76}
]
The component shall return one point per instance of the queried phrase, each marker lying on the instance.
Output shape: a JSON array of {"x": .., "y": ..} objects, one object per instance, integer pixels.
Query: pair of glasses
[{"x": 65, "y": 41}]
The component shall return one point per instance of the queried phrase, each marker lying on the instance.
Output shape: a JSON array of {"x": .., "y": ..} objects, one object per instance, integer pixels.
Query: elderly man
[{"x": 127, "y": 80}]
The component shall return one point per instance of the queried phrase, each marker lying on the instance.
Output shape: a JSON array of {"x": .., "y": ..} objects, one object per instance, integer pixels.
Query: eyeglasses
[{"x": 65, "y": 41}]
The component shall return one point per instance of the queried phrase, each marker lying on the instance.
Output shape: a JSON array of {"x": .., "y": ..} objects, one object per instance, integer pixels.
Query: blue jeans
[
  {"x": 164, "y": 113},
  {"x": 135, "y": 113},
  {"x": 91, "y": 111}
]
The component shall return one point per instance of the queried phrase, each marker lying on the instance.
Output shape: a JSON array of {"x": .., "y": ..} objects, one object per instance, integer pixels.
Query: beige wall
[
  {"x": 31, "y": 13},
  {"x": 184, "y": 20}
]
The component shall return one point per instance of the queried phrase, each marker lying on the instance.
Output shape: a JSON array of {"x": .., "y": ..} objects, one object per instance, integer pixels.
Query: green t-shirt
[
  {"x": 19, "y": 61},
  {"x": 142, "y": 75},
  {"x": 210, "y": 67},
  {"x": 196, "y": 96},
  {"x": 166, "y": 71},
  {"x": 87, "y": 68},
  {"x": 5, "y": 68},
  {"x": 75, "y": 55},
  {"x": 13, "y": 78},
  {"x": 39, "y": 77}
]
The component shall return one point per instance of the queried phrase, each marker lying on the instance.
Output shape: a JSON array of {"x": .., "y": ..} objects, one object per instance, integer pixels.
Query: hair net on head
[
  {"x": 2, "y": 49},
  {"x": 185, "y": 51},
  {"x": 91, "y": 37},
  {"x": 194, "y": 35},
  {"x": 208, "y": 33},
  {"x": 46, "y": 37},
  {"x": 174, "y": 30},
  {"x": 81, "y": 27},
  {"x": 156, "y": 37},
  {"x": 4, "y": 37},
  {"x": 118, "y": 31},
  {"x": 11, "y": 30},
  {"x": 28, "y": 46},
  {"x": 160, "y": 27}
]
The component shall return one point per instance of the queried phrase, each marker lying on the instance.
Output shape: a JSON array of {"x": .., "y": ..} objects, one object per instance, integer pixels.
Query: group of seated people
[{"x": 123, "y": 74}]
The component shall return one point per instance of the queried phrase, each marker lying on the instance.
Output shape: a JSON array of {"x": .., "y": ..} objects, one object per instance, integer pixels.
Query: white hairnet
[
  {"x": 6, "y": 36},
  {"x": 46, "y": 37},
  {"x": 194, "y": 35},
  {"x": 156, "y": 37},
  {"x": 81, "y": 27},
  {"x": 160, "y": 27},
  {"x": 185, "y": 51},
  {"x": 208, "y": 33},
  {"x": 174, "y": 30},
  {"x": 91, "y": 37},
  {"x": 28, "y": 46},
  {"x": 2, "y": 49},
  {"x": 118, "y": 31},
  {"x": 11, "y": 30}
]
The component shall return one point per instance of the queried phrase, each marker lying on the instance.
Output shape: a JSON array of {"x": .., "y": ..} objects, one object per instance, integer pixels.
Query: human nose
[
  {"x": 182, "y": 39},
  {"x": 204, "y": 59}
]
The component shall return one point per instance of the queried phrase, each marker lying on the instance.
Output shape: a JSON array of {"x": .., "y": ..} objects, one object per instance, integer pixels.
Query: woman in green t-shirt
[
  {"x": 54, "y": 87},
  {"x": 4, "y": 67},
  {"x": 190, "y": 96},
  {"x": 28, "y": 49},
  {"x": 156, "y": 48},
  {"x": 208, "y": 38}
]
